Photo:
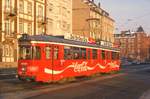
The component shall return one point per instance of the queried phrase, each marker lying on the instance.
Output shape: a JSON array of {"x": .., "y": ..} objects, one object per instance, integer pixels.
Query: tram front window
[{"x": 25, "y": 53}]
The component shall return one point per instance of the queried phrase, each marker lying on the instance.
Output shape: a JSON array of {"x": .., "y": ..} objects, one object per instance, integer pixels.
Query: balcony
[{"x": 10, "y": 11}]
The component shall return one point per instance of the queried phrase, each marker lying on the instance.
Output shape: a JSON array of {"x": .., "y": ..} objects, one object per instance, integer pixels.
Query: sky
[{"x": 128, "y": 14}]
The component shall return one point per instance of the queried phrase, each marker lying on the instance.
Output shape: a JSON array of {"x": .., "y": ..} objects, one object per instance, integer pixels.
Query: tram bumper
[
  {"x": 27, "y": 73},
  {"x": 26, "y": 78}
]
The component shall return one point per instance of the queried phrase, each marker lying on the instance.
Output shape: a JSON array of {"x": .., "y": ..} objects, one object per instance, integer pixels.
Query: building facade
[
  {"x": 18, "y": 17},
  {"x": 149, "y": 45},
  {"x": 134, "y": 46},
  {"x": 59, "y": 17},
  {"x": 91, "y": 22}
]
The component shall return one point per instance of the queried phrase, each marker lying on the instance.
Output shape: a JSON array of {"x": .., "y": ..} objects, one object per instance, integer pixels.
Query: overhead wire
[{"x": 134, "y": 20}]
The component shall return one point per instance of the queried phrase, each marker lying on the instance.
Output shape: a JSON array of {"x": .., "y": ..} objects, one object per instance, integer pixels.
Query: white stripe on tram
[{"x": 41, "y": 42}]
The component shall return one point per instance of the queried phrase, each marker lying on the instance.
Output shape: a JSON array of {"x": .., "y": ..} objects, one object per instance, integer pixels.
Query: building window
[
  {"x": 50, "y": 7},
  {"x": 64, "y": 25},
  {"x": 40, "y": 30},
  {"x": 6, "y": 51},
  {"x": 7, "y": 27},
  {"x": 50, "y": 26},
  {"x": 40, "y": 12},
  {"x": 21, "y": 6},
  {"x": 29, "y": 8},
  {"x": 30, "y": 28},
  {"x": 64, "y": 11},
  {"x": 58, "y": 24},
  {"x": 7, "y": 4},
  {"x": 3, "y": 51},
  {"x": 21, "y": 27},
  {"x": 11, "y": 51}
]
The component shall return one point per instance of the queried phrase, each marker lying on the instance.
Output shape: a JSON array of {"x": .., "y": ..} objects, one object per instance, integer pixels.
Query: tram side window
[
  {"x": 94, "y": 53},
  {"x": 108, "y": 55},
  {"x": 37, "y": 53},
  {"x": 88, "y": 54},
  {"x": 83, "y": 53},
  {"x": 56, "y": 53},
  {"x": 67, "y": 52},
  {"x": 115, "y": 55},
  {"x": 48, "y": 52},
  {"x": 76, "y": 54},
  {"x": 103, "y": 55}
]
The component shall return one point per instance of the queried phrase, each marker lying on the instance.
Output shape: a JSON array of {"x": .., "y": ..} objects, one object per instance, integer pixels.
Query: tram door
[
  {"x": 51, "y": 54},
  {"x": 49, "y": 60},
  {"x": 55, "y": 58}
]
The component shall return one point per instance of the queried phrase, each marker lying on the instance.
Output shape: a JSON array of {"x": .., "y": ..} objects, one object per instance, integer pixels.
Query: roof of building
[{"x": 140, "y": 29}]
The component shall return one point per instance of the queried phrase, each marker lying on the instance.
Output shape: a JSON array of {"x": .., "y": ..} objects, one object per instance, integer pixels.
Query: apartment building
[
  {"x": 59, "y": 17},
  {"x": 126, "y": 43},
  {"x": 134, "y": 46},
  {"x": 18, "y": 17},
  {"x": 149, "y": 45},
  {"x": 92, "y": 23}
]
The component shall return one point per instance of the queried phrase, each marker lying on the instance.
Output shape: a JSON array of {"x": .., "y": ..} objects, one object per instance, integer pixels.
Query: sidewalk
[{"x": 8, "y": 71}]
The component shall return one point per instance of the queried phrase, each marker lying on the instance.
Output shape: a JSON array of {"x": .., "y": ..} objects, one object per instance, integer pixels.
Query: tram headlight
[{"x": 23, "y": 69}]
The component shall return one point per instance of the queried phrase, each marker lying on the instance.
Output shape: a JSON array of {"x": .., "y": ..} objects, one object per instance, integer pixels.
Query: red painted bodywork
[{"x": 54, "y": 70}]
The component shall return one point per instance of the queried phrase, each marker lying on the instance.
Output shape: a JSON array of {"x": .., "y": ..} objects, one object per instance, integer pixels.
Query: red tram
[{"x": 48, "y": 59}]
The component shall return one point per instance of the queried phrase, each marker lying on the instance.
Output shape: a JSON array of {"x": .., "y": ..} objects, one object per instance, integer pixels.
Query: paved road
[
  {"x": 132, "y": 83},
  {"x": 130, "y": 86}
]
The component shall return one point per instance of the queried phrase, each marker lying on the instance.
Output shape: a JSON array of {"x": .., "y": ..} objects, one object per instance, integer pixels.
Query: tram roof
[{"x": 47, "y": 38}]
